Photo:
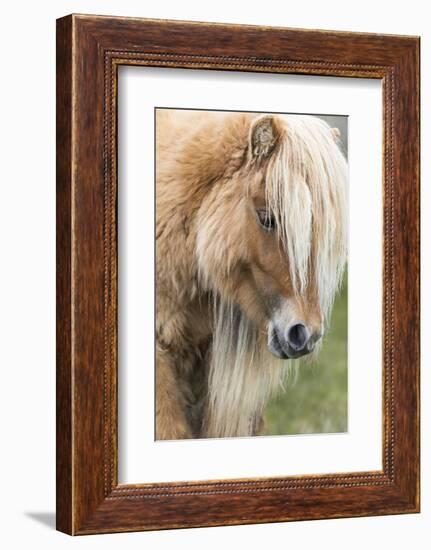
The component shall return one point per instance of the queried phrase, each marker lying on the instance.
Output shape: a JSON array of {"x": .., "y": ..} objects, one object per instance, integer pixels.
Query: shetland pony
[{"x": 250, "y": 252}]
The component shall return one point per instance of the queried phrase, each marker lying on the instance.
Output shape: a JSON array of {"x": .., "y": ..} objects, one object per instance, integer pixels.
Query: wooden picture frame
[{"x": 89, "y": 51}]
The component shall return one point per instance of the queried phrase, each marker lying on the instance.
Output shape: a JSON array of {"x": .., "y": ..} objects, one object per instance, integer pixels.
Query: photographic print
[
  {"x": 230, "y": 274},
  {"x": 251, "y": 274}
]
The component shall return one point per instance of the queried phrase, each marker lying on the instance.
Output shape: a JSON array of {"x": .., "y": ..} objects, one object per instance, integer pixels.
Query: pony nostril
[{"x": 297, "y": 336}]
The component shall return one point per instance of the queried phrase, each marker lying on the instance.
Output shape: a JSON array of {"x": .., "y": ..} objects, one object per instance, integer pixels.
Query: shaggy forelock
[{"x": 306, "y": 191}]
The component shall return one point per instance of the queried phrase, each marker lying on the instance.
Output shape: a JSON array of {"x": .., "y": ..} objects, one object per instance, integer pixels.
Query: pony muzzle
[{"x": 292, "y": 342}]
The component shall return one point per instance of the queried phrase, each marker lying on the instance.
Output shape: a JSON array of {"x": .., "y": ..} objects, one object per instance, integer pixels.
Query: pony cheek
[
  {"x": 251, "y": 302},
  {"x": 271, "y": 286}
]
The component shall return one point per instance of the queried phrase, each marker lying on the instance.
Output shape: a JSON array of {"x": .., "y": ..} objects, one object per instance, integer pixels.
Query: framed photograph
[{"x": 237, "y": 274}]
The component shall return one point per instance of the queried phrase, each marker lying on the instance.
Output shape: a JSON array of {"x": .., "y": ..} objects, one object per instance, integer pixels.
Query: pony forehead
[
  {"x": 297, "y": 122},
  {"x": 304, "y": 144},
  {"x": 306, "y": 134},
  {"x": 306, "y": 151}
]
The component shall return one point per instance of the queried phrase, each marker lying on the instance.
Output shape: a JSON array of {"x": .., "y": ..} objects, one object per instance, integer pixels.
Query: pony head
[{"x": 271, "y": 237}]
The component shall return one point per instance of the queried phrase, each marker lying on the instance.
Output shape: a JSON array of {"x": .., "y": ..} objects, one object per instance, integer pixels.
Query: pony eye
[{"x": 266, "y": 219}]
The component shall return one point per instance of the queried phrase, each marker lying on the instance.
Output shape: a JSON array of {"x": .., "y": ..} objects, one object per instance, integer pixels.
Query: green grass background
[{"x": 316, "y": 402}]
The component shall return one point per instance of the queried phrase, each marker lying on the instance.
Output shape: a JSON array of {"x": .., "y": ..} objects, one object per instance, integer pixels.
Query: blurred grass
[{"x": 317, "y": 401}]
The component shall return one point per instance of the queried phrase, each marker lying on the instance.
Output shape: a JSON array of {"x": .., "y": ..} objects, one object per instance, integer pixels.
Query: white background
[
  {"x": 141, "y": 458},
  {"x": 27, "y": 275}
]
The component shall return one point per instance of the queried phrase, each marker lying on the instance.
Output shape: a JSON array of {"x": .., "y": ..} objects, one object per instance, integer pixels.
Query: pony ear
[
  {"x": 263, "y": 136},
  {"x": 335, "y": 133}
]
